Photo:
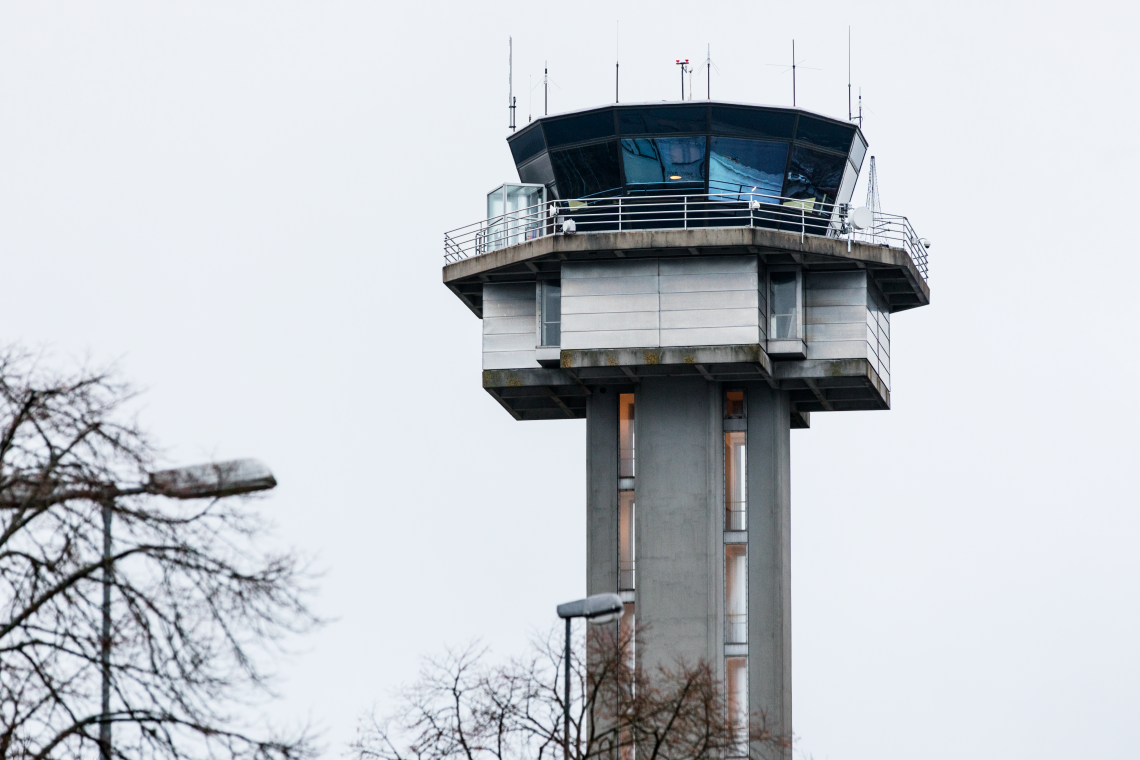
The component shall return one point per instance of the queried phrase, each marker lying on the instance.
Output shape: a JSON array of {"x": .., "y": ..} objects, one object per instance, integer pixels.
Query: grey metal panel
[
  {"x": 835, "y": 297},
  {"x": 838, "y": 331},
  {"x": 624, "y": 320},
  {"x": 710, "y": 336},
  {"x": 610, "y": 339},
  {"x": 508, "y": 342},
  {"x": 604, "y": 304},
  {"x": 572, "y": 270},
  {"x": 718, "y": 281},
  {"x": 835, "y": 280},
  {"x": 508, "y": 300},
  {"x": 509, "y": 359},
  {"x": 834, "y": 314},
  {"x": 847, "y": 349},
  {"x": 730, "y": 299},
  {"x": 709, "y": 318},
  {"x": 598, "y": 286},
  {"x": 502, "y": 325},
  {"x": 709, "y": 264}
]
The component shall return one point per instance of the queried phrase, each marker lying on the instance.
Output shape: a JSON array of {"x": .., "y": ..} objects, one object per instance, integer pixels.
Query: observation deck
[{"x": 713, "y": 240}]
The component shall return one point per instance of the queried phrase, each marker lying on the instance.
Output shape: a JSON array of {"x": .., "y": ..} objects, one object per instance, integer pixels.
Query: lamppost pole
[
  {"x": 203, "y": 481},
  {"x": 599, "y": 608},
  {"x": 105, "y": 654}
]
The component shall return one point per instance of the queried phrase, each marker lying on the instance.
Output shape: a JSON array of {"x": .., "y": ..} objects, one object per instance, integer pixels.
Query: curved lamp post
[
  {"x": 203, "y": 481},
  {"x": 599, "y": 608}
]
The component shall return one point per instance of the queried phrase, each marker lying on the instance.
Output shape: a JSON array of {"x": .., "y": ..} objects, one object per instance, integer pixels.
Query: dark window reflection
[
  {"x": 741, "y": 169},
  {"x": 664, "y": 162},
  {"x": 586, "y": 171},
  {"x": 576, "y": 129},
  {"x": 538, "y": 171},
  {"x": 814, "y": 175},
  {"x": 644, "y": 121},
  {"x": 753, "y": 122},
  {"x": 825, "y": 134},
  {"x": 526, "y": 144}
]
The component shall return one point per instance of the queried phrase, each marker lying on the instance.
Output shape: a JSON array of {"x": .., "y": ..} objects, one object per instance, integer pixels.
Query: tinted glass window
[
  {"x": 647, "y": 121},
  {"x": 526, "y": 143},
  {"x": 538, "y": 171},
  {"x": 663, "y": 160},
  {"x": 574, "y": 129},
  {"x": 858, "y": 150},
  {"x": 814, "y": 175},
  {"x": 586, "y": 171},
  {"x": 753, "y": 123},
  {"x": 825, "y": 134},
  {"x": 740, "y": 168}
]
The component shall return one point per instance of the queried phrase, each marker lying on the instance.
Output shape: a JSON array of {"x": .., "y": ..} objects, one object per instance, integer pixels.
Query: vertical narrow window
[
  {"x": 783, "y": 306},
  {"x": 627, "y": 634},
  {"x": 626, "y": 521},
  {"x": 736, "y": 593},
  {"x": 736, "y": 696},
  {"x": 625, "y": 436},
  {"x": 550, "y": 306},
  {"x": 735, "y": 481}
]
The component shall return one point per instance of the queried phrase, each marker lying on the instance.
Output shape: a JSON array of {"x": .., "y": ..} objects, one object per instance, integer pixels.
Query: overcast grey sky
[{"x": 244, "y": 202}]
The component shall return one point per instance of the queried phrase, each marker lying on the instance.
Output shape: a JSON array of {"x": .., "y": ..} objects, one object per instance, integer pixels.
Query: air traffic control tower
[{"x": 692, "y": 280}]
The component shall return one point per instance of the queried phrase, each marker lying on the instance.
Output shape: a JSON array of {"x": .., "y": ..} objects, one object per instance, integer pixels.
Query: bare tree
[
  {"x": 463, "y": 708},
  {"x": 198, "y": 608}
]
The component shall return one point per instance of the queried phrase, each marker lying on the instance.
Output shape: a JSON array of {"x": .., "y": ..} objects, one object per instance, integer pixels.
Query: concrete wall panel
[{"x": 509, "y": 326}]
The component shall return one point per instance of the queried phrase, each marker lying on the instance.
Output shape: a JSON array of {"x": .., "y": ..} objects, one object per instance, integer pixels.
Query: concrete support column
[
  {"x": 769, "y": 557},
  {"x": 602, "y": 491}
]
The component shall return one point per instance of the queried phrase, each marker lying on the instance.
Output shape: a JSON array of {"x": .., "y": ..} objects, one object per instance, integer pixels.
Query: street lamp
[
  {"x": 599, "y": 608},
  {"x": 203, "y": 481}
]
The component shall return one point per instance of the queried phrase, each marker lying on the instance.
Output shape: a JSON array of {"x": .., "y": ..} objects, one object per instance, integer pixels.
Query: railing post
[
  {"x": 803, "y": 225},
  {"x": 685, "y": 210},
  {"x": 619, "y": 213}
]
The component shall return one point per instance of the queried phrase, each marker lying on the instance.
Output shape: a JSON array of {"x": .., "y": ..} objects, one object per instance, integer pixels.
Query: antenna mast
[
  {"x": 873, "y": 199},
  {"x": 511, "y": 79},
  {"x": 793, "y": 73},
  {"x": 545, "y": 88},
  {"x": 617, "y": 61},
  {"x": 849, "y": 73},
  {"x": 684, "y": 67}
]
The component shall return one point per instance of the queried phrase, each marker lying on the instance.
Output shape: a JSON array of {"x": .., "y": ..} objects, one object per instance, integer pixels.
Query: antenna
[
  {"x": 792, "y": 69},
  {"x": 545, "y": 88},
  {"x": 617, "y": 61},
  {"x": 860, "y": 108},
  {"x": 708, "y": 66},
  {"x": 530, "y": 88},
  {"x": 849, "y": 72},
  {"x": 511, "y": 79},
  {"x": 684, "y": 67}
]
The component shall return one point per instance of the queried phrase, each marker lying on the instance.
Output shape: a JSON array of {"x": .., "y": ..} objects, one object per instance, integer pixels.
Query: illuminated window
[
  {"x": 735, "y": 481},
  {"x": 734, "y": 405},
  {"x": 736, "y": 697},
  {"x": 736, "y": 593},
  {"x": 625, "y": 436},
  {"x": 626, "y": 522}
]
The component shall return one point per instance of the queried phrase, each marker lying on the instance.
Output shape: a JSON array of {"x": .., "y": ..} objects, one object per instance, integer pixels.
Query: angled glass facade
[{"x": 725, "y": 150}]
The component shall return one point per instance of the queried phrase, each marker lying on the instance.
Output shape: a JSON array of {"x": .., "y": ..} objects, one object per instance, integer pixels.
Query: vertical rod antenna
[
  {"x": 545, "y": 88},
  {"x": 511, "y": 79},
  {"x": 708, "y": 72},
  {"x": 848, "y": 73},
  {"x": 617, "y": 61},
  {"x": 793, "y": 73}
]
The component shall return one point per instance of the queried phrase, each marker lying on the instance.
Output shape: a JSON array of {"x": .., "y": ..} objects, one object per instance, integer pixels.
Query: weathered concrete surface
[
  {"x": 675, "y": 488},
  {"x": 632, "y": 357},
  {"x": 716, "y": 239},
  {"x": 602, "y": 493},
  {"x": 769, "y": 557}
]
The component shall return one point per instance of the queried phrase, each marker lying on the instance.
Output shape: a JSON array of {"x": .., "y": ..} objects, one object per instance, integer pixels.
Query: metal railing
[
  {"x": 626, "y": 576},
  {"x": 736, "y": 628},
  {"x": 735, "y": 515},
  {"x": 719, "y": 208}
]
